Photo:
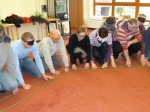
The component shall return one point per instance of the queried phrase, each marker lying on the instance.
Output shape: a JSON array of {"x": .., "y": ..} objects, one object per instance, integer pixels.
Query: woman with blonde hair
[{"x": 79, "y": 47}]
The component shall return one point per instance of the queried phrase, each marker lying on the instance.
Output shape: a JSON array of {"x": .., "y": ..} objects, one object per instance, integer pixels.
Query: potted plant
[{"x": 119, "y": 11}]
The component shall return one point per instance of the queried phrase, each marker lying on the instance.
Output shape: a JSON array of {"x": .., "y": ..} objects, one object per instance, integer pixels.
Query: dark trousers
[
  {"x": 117, "y": 48},
  {"x": 78, "y": 55},
  {"x": 99, "y": 53}
]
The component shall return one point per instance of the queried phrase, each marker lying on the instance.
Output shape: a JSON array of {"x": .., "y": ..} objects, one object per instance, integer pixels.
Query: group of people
[{"x": 103, "y": 45}]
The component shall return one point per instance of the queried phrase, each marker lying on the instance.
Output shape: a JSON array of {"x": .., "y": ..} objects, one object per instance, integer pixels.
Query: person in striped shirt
[{"x": 127, "y": 39}]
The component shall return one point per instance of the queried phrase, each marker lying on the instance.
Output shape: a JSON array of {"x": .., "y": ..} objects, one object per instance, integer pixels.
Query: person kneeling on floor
[
  {"x": 49, "y": 47},
  {"x": 79, "y": 47},
  {"x": 101, "y": 46},
  {"x": 21, "y": 49},
  {"x": 8, "y": 80}
]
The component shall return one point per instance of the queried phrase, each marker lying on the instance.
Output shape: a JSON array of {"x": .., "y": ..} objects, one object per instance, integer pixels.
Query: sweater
[
  {"x": 48, "y": 48},
  {"x": 6, "y": 58},
  {"x": 123, "y": 35},
  {"x": 21, "y": 52},
  {"x": 95, "y": 42},
  {"x": 143, "y": 32},
  {"x": 74, "y": 43}
]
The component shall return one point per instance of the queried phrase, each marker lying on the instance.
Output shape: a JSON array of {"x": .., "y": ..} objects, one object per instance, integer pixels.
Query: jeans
[
  {"x": 29, "y": 66},
  {"x": 56, "y": 62},
  {"x": 99, "y": 53},
  {"x": 7, "y": 81}
]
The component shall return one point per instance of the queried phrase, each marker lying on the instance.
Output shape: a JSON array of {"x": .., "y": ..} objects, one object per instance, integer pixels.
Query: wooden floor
[{"x": 118, "y": 89}]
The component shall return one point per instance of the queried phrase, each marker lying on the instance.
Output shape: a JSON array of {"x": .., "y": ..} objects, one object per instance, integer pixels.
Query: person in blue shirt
[{"x": 21, "y": 49}]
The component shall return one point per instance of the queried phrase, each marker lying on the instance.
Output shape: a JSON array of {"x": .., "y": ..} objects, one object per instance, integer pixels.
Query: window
[
  {"x": 104, "y": 1},
  {"x": 103, "y": 10},
  {"x": 144, "y": 1},
  {"x": 124, "y": 10},
  {"x": 125, "y": 0},
  {"x": 121, "y": 7},
  {"x": 146, "y": 11}
]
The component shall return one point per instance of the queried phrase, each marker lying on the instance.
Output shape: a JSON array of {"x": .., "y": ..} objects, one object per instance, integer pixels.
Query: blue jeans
[
  {"x": 147, "y": 44},
  {"x": 56, "y": 62},
  {"x": 29, "y": 66},
  {"x": 7, "y": 81}
]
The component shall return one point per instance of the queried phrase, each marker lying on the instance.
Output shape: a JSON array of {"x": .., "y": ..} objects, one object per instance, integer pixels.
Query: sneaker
[{"x": 2, "y": 91}]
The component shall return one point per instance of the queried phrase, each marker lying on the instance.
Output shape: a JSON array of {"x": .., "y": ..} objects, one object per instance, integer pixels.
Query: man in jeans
[
  {"x": 8, "y": 81},
  {"x": 21, "y": 49}
]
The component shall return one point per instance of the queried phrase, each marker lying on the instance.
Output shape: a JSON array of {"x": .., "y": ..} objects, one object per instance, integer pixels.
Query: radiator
[{"x": 92, "y": 23}]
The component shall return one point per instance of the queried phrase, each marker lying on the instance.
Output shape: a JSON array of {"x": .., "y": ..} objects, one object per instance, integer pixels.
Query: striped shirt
[{"x": 123, "y": 35}]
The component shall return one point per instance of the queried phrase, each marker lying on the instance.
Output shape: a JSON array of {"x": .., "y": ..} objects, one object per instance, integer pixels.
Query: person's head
[
  {"x": 111, "y": 20},
  {"x": 133, "y": 24},
  {"x": 2, "y": 30},
  {"x": 27, "y": 39},
  {"x": 54, "y": 35},
  {"x": 110, "y": 23},
  {"x": 103, "y": 32},
  {"x": 81, "y": 32},
  {"x": 141, "y": 18}
]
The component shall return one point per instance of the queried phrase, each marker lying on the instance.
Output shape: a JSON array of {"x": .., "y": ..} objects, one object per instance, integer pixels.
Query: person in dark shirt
[
  {"x": 79, "y": 47},
  {"x": 142, "y": 19}
]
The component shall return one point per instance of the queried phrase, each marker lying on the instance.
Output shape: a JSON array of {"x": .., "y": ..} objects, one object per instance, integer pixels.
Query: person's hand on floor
[
  {"x": 26, "y": 86},
  {"x": 66, "y": 69},
  {"x": 56, "y": 73},
  {"x": 105, "y": 65},
  {"x": 15, "y": 91},
  {"x": 86, "y": 66},
  {"x": 128, "y": 63},
  {"x": 147, "y": 63},
  {"x": 93, "y": 65},
  {"x": 74, "y": 67},
  {"x": 113, "y": 64},
  {"x": 143, "y": 60},
  {"x": 46, "y": 77}
]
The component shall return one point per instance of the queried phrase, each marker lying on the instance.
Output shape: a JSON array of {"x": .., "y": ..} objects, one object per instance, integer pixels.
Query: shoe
[{"x": 2, "y": 91}]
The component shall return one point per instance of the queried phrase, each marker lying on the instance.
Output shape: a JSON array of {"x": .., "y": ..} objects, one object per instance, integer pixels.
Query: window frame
[{"x": 136, "y": 4}]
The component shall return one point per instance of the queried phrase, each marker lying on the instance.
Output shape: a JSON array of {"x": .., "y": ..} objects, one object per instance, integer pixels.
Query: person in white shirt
[{"x": 48, "y": 48}]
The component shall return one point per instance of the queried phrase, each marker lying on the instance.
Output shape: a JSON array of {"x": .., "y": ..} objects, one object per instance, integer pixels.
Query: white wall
[
  {"x": 20, "y": 7},
  {"x": 24, "y": 8}
]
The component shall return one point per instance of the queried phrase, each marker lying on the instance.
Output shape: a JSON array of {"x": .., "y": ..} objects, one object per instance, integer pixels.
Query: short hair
[
  {"x": 142, "y": 15},
  {"x": 133, "y": 21},
  {"x": 103, "y": 32},
  {"x": 111, "y": 20},
  {"x": 27, "y": 35},
  {"x": 81, "y": 28}
]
